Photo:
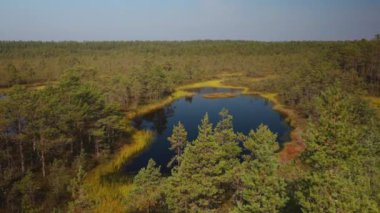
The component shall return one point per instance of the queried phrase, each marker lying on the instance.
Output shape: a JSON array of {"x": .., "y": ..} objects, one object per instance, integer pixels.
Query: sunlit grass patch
[
  {"x": 212, "y": 83},
  {"x": 139, "y": 141},
  {"x": 110, "y": 196},
  {"x": 220, "y": 95},
  {"x": 180, "y": 92},
  {"x": 159, "y": 104},
  {"x": 374, "y": 102},
  {"x": 268, "y": 95}
]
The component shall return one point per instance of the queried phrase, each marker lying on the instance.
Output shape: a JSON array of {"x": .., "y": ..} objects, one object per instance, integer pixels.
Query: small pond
[{"x": 248, "y": 113}]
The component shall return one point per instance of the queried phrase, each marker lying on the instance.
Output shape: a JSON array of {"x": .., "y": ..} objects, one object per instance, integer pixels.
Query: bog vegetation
[{"x": 63, "y": 112}]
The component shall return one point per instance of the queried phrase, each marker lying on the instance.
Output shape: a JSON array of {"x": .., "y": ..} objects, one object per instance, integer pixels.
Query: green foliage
[
  {"x": 77, "y": 188},
  {"x": 58, "y": 181},
  {"x": 336, "y": 191},
  {"x": 202, "y": 179},
  {"x": 28, "y": 187},
  {"x": 334, "y": 137},
  {"x": 262, "y": 144},
  {"x": 338, "y": 155},
  {"x": 301, "y": 86},
  {"x": 146, "y": 194},
  {"x": 178, "y": 142},
  {"x": 121, "y": 67},
  {"x": 52, "y": 124},
  {"x": 74, "y": 92},
  {"x": 340, "y": 175},
  {"x": 261, "y": 188},
  {"x": 16, "y": 108}
]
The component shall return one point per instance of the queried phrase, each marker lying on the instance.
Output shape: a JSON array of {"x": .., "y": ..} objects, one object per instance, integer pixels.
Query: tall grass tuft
[{"x": 108, "y": 195}]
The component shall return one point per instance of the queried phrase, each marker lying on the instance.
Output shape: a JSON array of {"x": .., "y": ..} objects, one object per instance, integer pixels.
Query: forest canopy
[{"x": 63, "y": 109}]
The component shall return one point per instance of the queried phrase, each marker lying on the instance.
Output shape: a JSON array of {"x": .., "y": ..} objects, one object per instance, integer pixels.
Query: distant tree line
[{"x": 36, "y": 62}]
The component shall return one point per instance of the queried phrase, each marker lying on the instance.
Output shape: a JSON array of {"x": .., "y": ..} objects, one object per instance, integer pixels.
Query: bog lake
[{"x": 248, "y": 113}]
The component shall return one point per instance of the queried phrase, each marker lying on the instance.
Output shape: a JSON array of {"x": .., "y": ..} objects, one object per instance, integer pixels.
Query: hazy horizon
[{"x": 181, "y": 20}]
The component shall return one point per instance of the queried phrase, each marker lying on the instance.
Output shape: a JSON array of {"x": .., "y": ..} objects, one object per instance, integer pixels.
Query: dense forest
[{"x": 63, "y": 111}]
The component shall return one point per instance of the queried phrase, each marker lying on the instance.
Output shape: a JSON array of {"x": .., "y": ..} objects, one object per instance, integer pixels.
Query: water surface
[{"x": 248, "y": 113}]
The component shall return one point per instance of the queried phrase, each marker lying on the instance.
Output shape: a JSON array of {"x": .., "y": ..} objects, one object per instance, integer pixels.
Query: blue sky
[{"x": 267, "y": 20}]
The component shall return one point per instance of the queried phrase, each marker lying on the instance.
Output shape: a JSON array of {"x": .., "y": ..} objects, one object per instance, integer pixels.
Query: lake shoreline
[
  {"x": 290, "y": 150},
  {"x": 139, "y": 140},
  {"x": 293, "y": 148}
]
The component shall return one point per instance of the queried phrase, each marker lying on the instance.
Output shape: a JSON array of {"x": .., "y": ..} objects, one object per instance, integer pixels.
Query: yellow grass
[
  {"x": 179, "y": 92},
  {"x": 212, "y": 83},
  {"x": 159, "y": 104},
  {"x": 110, "y": 196},
  {"x": 374, "y": 102},
  {"x": 218, "y": 83},
  {"x": 4, "y": 90},
  {"x": 220, "y": 95},
  {"x": 34, "y": 86}
]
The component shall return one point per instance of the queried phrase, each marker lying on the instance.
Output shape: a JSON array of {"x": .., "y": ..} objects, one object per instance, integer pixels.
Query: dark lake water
[{"x": 248, "y": 113}]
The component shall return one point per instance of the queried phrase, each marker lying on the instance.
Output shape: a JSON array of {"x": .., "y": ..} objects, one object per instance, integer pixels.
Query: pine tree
[
  {"x": 79, "y": 192},
  {"x": 228, "y": 141},
  {"x": 198, "y": 184},
  {"x": 58, "y": 180},
  {"x": 178, "y": 141},
  {"x": 146, "y": 193},
  {"x": 16, "y": 112},
  {"x": 47, "y": 124},
  {"x": 261, "y": 188},
  {"x": 28, "y": 187},
  {"x": 337, "y": 156}
]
